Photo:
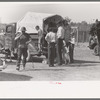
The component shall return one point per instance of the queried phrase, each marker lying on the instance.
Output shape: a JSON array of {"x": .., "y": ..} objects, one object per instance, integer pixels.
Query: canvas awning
[{"x": 32, "y": 19}]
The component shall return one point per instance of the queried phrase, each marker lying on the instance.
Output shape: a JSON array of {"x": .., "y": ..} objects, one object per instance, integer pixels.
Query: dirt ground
[{"x": 86, "y": 67}]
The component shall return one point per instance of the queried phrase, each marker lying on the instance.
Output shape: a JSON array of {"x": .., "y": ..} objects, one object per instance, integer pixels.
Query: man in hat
[{"x": 23, "y": 40}]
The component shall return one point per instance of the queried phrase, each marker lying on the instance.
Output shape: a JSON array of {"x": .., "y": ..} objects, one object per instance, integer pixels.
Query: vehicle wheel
[
  {"x": 28, "y": 56},
  {"x": 96, "y": 50}
]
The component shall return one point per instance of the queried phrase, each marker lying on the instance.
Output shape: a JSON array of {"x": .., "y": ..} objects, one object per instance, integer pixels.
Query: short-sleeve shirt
[
  {"x": 51, "y": 37},
  {"x": 39, "y": 35},
  {"x": 60, "y": 32},
  {"x": 72, "y": 40},
  {"x": 23, "y": 39}
]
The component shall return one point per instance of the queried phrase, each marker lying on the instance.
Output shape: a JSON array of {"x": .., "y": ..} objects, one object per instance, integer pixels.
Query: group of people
[
  {"x": 55, "y": 39},
  {"x": 56, "y": 42},
  {"x": 94, "y": 39}
]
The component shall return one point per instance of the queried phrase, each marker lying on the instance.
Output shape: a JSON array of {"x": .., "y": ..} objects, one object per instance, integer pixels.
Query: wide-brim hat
[{"x": 23, "y": 29}]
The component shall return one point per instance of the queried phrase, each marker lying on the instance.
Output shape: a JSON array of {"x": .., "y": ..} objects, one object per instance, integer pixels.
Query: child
[
  {"x": 51, "y": 39},
  {"x": 71, "y": 47}
]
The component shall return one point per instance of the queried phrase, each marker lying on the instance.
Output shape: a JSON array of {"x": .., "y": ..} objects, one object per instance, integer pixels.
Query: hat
[{"x": 23, "y": 29}]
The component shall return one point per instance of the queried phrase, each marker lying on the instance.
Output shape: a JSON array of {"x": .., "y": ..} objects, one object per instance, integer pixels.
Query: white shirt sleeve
[
  {"x": 60, "y": 33},
  {"x": 73, "y": 40},
  {"x": 47, "y": 38}
]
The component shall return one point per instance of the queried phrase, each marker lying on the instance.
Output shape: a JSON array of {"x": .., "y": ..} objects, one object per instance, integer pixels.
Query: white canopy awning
[{"x": 32, "y": 19}]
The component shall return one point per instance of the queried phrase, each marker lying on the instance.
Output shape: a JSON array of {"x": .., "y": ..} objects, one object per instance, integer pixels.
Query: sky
[{"x": 76, "y": 11}]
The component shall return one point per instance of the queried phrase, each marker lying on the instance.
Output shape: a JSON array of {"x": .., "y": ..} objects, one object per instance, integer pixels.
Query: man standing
[
  {"x": 60, "y": 37},
  {"x": 39, "y": 36},
  {"x": 51, "y": 39},
  {"x": 23, "y": 40}
]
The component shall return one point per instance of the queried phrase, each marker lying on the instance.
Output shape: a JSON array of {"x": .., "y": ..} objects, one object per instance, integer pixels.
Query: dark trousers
[
  {"x": 22, "y": 51},
  {"x": 51, "y": 53},
  {"x": 59, "y": 50},
  {"x": 71, "y": 52}
]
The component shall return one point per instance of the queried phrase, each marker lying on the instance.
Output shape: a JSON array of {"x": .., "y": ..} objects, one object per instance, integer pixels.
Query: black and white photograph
[
  {"x": 49, "y": 41},
  {"x": 53, "y": 42}
]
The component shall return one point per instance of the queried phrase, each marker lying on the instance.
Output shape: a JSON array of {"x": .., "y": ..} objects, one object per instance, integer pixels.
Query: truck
[{"x": 30, "y": 21}]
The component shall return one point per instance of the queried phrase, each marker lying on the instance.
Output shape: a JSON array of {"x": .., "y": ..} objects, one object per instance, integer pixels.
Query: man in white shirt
[
  {"x": 40, "y": 33},
  {"x": 60, "y": 37},
  {"x": 51, "y": 39}
]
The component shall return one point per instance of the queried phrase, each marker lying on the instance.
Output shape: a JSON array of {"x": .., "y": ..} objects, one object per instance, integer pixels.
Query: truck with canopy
[{"x": 30, "y": 21}]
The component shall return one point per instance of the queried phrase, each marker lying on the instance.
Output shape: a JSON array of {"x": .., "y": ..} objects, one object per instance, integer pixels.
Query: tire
[{"x": 96, "y": 50}]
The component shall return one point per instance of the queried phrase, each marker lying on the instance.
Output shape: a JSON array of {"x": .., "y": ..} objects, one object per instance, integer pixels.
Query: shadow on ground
[
  {"x": 10, "y": 63},
  {"x": 35, "y": 69},
  {"x": 33, "y": 59},
  {"x": 36, "y": 59},
  {"x": 77, "y": 63},
  {"x": 81, "y": 65},
  {"x": 13, "y": 77},
  {"x": 84, "y": 61}
]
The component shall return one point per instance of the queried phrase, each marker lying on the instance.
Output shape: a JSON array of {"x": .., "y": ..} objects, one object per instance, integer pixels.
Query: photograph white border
[{"x": 49, "y": 89}]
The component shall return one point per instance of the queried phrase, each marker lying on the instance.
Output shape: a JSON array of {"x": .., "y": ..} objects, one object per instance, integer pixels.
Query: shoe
[
  {"x": 51, "y": 65},
  {"x": 71, "y": 61},
  {"x": 59, "y": 64}
]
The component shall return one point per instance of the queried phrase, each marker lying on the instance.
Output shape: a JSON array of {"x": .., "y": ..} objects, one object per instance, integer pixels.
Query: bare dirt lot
[{"x": 86, "y": 67}]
